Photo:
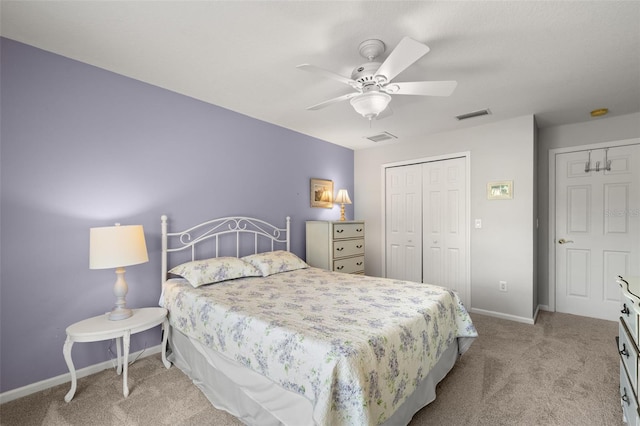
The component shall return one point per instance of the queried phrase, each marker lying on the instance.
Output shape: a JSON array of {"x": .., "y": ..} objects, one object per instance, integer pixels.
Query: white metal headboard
[{"x": 214, "y": 229}]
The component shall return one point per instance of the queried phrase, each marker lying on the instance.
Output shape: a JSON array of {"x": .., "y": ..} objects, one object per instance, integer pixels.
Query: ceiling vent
[
  {"x": 473, "y": 114},
  {"x": 384, "y": 136}
]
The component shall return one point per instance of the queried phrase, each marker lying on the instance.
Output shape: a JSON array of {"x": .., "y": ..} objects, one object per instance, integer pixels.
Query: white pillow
[
  {"x": 274, "y": 262},
  {"x": 214, "y": 270}
]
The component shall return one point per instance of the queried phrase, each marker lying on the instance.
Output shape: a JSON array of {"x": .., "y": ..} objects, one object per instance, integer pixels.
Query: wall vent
[
  {"x": 384, "y": 136},
  {"x": 473, "y": 114}
]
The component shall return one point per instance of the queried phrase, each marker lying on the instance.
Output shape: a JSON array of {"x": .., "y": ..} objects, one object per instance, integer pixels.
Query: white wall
[
  {"x": 504, "y": 248},
  {"x": 586, "y": 133}
]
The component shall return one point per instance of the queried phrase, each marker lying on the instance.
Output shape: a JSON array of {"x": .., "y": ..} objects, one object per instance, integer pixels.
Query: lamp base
[
  {"x": 120, "y": 290},
  {"x": 342, "y": 217},
  {"x": 118, "y": 314}
]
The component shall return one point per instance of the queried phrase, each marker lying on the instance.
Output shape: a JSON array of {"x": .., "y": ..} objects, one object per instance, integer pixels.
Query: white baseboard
[
  {"x": 535, "y": 314},
  {"x": 504, "y": 316},
  {"x": 66, "y": 378},
  {"x": 544, "y": 308}
]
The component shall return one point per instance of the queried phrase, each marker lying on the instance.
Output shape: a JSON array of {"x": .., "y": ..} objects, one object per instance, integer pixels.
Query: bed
[{"x": 274, "y": 341}]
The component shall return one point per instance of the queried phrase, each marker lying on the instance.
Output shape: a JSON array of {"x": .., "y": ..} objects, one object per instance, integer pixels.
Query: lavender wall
[{"x": 84, "y": 147}]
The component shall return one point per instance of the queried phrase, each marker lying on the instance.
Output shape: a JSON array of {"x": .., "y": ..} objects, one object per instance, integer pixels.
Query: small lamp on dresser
[
  {"x": 342, "y": 198},
  {"x": 116, "y": 247}
]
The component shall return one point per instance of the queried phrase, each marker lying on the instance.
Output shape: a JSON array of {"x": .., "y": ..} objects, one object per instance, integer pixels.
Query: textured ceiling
[{"x": 557, "y": 60}]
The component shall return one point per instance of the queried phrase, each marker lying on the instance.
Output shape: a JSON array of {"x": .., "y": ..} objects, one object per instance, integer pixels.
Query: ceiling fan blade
[
  {"x": 333, "y": 101},
  {"x": 422, "y": 88},
  {"x": 406, "y": 53},
  {"x": 329, "y": 74}
]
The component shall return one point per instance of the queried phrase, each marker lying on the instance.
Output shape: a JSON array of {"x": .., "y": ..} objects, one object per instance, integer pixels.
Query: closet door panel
[{"x": 404, "y": 223}]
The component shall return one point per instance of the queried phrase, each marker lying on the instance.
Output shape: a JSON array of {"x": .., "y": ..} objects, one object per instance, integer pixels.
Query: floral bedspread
[{"x": 355, "y": 346}]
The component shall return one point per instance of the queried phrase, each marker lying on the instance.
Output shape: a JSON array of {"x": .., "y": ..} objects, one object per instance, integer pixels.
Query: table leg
[
  {"x": 165, "y": 328},
  {"x": 119, "y": 352},
  {"x": 125, "y": 362},
  {"x": 66, "y": 350}
]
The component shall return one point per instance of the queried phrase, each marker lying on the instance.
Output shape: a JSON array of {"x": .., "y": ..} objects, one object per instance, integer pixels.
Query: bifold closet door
[
  {"x": 444, "y": 217},
  {"x": 425, "y": 222},
  {"x": 404, "y": 222}
]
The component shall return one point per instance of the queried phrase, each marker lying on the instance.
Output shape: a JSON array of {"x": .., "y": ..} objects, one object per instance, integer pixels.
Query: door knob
[{"x": 563, "y": 241}]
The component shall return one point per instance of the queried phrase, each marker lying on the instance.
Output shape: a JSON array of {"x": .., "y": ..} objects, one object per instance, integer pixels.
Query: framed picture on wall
[
  {"x": 322, "y": 193},
  {"x": 500, "y": 190}
]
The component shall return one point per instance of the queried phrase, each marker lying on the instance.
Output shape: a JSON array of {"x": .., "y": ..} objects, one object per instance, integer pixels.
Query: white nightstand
[{"x": 101, "y": 328}]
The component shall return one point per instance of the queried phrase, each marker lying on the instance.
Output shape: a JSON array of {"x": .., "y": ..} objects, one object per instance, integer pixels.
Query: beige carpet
[{"x": 562, "y": 371}]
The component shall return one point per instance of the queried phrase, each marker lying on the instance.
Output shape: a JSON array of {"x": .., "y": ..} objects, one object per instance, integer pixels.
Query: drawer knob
[
  {"x": 339, "y": 267},
  {"x": 625, "y": 309},
  {"x": 359, "y": 263},
  {"x": 339, "y": 248},
  {"x": 340, "y": 231},
  {"x": 359, "y": 230},
  {"x": 359, "y": 246},
  {"x": 624, "y": 350}
]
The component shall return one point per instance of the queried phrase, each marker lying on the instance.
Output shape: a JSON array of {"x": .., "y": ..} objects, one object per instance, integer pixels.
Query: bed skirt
[{"x": 256, "y": 400}]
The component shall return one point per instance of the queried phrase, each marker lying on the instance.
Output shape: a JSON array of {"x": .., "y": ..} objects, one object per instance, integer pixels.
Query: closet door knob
[
  {"x": 625, "y": 309},
  {"x": 624, "y": 351}
]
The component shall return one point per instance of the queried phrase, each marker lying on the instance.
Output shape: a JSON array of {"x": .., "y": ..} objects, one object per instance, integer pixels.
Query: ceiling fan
[{"x": 372, "y": 80}]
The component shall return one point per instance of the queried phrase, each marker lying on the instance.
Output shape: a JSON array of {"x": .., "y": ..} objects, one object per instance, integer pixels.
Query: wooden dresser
[
  {"x": 628, "y": 343},
  {"x": 336, "y": 246}
]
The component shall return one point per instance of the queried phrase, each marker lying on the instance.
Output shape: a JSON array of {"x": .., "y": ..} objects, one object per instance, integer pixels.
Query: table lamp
[
  {"x": 116, "y": 247},
  {"x": 342, "y": 198}
]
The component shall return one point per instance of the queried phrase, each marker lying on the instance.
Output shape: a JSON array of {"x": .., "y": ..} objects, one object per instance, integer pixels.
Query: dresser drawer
[
  {"x": 628, "y": 400},
  {"x": 348, "y": 248},
  {"x": 629, "y": 356},
  {"x": 348, "y": 230},
  {"x": 630, "y": 317},
  {"x": 350, "y": 265}
]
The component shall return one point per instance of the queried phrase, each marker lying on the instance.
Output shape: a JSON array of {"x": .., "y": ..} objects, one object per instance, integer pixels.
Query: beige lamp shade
[
  {"x": 343, "y": 197},
  {"x": 117, "y": 246}
]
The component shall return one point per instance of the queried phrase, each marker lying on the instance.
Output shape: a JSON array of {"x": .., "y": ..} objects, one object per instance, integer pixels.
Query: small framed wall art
[
  {"x": 321, "y": 193},
  {"x": 500, "y": 190}
]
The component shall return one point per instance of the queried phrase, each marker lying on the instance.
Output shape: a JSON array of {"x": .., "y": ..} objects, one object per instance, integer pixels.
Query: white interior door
[
  {"x": 597, "y": 232},
  {"x": 404, "y": 222},
  {"x": 444, "y": 230}
]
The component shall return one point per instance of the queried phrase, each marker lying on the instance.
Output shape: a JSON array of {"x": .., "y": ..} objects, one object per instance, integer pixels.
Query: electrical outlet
[{"x": 503, "y": 286}]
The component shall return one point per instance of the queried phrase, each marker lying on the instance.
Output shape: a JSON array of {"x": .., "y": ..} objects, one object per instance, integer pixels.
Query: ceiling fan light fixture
[{"x": 370, "y": 104}]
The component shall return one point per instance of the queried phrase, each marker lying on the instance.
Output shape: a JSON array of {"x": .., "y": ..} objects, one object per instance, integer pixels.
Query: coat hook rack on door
[{"x": 607, "y": 163}]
